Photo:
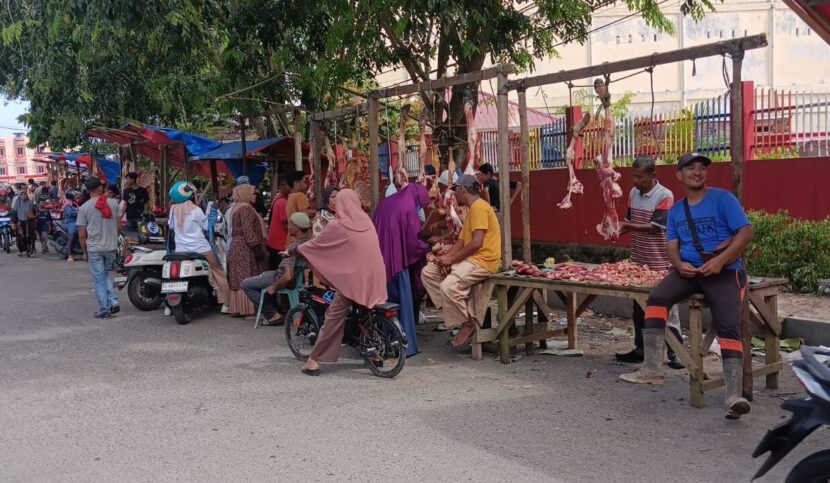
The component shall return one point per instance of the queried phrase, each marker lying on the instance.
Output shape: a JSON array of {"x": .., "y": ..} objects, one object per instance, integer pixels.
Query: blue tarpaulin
[
  {"x": 110, "y": 168},
  {"x": 194, "y": 143},
  {"x": 233, "y": 150},
  {"x": 256, "y": 170}
]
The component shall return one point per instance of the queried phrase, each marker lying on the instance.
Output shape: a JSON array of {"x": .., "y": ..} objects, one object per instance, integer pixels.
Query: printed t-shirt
[
  {"x": 650, "y": 208},
  {"x": 482, "y": 217},
  {"x": 717, "y": 216}
]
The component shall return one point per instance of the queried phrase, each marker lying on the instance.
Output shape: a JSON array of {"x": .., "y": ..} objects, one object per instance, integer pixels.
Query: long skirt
[
  {"x": 399, "y": 291},
  {"x": 327, "y": 346}
]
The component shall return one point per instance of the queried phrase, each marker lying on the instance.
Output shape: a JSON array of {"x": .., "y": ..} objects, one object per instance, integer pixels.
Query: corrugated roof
[{"x": 487, "y": 114}]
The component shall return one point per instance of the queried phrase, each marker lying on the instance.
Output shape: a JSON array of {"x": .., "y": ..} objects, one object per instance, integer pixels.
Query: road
[{"x": 140, "y": 398}]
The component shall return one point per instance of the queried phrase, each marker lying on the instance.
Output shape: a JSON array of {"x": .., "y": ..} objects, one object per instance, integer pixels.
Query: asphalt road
[{"x": 140, "y": 398}]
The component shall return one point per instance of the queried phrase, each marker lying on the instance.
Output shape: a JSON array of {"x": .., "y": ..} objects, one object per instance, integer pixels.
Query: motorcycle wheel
[
  {"x": 301, "y": 331},
  {"x": 389, "y": 354},
  {"x": 7, "y": 242},
  {"x": 812, "y": 469},
  {"x": 183, "y": 313},
  {"x": 142, "y": 296}
]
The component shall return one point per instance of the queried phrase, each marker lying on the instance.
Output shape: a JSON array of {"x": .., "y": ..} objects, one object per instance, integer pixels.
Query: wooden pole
[
  {"x": 214, "y": 179},
  {"x": 162, "y": 195},
  {"x": 504, "y": 172},
  {"x": 133, "y": 158},
  {"x": 316, "y": 165},
  {"x": 93, "y": 157},
  {"x": 525, "y": 151},
  {"x": 374, "y": 162},
  {"x": 244, "y": 147},
  {"x": 298, "y": 142}
]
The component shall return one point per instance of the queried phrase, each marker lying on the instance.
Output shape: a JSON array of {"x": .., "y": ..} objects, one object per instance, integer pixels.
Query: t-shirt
[
  {"x": 191, "y": 238},
  {"x": 650, "y": 208},
  {"x": 493, "y": 190},
  {"x": 717, "y": 216},
  {"x": 136, "y": 199},
  {"x": 482, "y": 217},
  {"x": 101, "y": 233},
  {"x": 277, "y": 233},
  {"x": 296, "y": 202}
]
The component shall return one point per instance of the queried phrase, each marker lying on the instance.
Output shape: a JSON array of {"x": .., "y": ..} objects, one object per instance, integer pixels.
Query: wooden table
[{"x": 530, "y": 292}]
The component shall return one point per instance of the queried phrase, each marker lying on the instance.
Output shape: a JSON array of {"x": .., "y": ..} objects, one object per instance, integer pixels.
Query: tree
[{"x": 463, "y": 34}]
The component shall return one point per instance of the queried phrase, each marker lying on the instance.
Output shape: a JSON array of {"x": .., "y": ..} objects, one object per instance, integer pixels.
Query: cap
[
  {"x": 444, "y": 178},
  {"x": 687, "y": 158},
  {"x": 301, "y": 220},
  {"x": 92, "y": 184},
  {"x": 466, "y": 180},
  {"x": 243, "y": 180}
]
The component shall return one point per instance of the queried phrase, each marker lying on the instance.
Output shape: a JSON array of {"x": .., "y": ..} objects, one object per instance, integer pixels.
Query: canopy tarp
[{"x": 109, "y": 169}]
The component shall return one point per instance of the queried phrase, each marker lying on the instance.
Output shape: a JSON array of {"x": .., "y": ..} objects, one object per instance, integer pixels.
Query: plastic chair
[{"x": 292, "y": 293}]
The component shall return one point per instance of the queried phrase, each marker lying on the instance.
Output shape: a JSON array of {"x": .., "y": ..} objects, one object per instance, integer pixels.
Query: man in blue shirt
[{"x": 707, "y": 231}]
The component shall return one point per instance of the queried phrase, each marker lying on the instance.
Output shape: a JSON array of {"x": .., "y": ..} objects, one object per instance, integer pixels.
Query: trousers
[
  {"x": 218, "y": 278},
  {"x": 449, "y": 293},
  {"x": 327, "y": 346},
  {"x": 252, "y": 286},
  {"x": 99, "y": 267}
]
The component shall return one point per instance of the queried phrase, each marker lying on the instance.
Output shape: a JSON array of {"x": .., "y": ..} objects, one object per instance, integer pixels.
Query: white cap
[{"x": 444, "y": 177}]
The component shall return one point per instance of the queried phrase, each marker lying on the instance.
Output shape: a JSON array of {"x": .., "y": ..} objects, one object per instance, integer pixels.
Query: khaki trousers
[
  {"x": 218, "y": 278},
  {"x": 327, "y": 346},
  {"x": 450, "y": 293}
]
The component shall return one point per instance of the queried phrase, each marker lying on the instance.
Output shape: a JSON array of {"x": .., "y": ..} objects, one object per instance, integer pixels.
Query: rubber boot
[
  {"x": 651, "y": 372},
  {"x": 736, "y": 405}
]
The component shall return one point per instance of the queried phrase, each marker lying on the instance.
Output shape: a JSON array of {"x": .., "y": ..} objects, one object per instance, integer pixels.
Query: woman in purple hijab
[{"x": 397, "y": 224}]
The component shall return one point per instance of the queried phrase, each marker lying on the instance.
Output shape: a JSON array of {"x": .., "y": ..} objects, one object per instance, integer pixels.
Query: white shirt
[{"x": 191, "y": 238}]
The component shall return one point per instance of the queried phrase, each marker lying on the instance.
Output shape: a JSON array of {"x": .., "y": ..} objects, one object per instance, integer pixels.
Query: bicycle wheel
[
  {"x": 301, "y": 329},
  {"x": 384, "y": 348}
]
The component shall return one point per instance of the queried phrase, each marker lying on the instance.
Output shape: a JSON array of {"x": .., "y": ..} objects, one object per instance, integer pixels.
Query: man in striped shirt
[{"x": 648, "y": 209}]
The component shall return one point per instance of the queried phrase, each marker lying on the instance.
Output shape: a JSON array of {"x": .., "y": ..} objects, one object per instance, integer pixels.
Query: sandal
[{"x": 273, "y": 321}]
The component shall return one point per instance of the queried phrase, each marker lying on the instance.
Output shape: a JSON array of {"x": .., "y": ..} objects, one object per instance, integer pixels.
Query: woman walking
[
  {"x": 346, "y": 256},
  {"x": 248, "y": 255}
]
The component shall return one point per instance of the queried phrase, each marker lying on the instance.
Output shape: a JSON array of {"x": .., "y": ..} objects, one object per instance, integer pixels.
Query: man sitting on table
[
  {"x": 707, "y": 231},
  {"x": 648, "y": 210},
  {"x": 475, "y": 257},
  {"x": 299, "y": 227}
]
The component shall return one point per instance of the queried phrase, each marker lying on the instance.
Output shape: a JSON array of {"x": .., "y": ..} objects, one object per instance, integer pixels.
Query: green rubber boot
[
  {"x": 651, "y": 372},
  {"x": 736, "y": 405}
]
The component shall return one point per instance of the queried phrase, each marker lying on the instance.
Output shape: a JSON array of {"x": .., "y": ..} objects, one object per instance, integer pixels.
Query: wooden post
[
  {"x": 162, "y": 194},
  {"x": 243, "y": 146},
  {"x": 504, "y": 170},
  {"x": 93, "y": 157},
  {"x": 316, "y": 165},
  {"x": 214, "y": 179},
  {"x": 374, "y": 162},
  {"x": 275, "y": 176},
  {"x": 298, "y": 142},
  {"x": 133, "y": 158},
  {"x": 525, "y": 153}
]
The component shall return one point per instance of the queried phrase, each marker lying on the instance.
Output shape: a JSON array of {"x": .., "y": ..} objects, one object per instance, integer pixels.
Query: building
[
  {"x": 797, "y": 58},
  {"x": 17, "y": 160}
]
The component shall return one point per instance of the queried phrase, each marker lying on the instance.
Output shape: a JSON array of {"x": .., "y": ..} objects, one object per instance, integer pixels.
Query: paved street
[{"x": 140, "y": 398}]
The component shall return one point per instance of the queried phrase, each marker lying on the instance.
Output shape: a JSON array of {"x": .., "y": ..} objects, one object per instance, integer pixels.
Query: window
[
  {"x": 618, "y": 39},
  {"x": 797, "y": 32},
  {"x": 2, "y": 171},
  {"x": 2, "y": 153},
  {"x": 642, "y": 39},
  {"x": 721, "y": 34},
  {"x": 21, "y": 170},
  {"x": 733, "y": 36},
  {"x": 20, "y": 151},
  {"x": 629, "y": 41},
  {"x": 655, "y": 37},
  {"x": 41, "y": 169},
  {"x": 708, "y": 34}
]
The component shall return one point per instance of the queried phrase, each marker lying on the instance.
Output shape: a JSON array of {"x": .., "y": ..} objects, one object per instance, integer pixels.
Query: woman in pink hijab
[{"x": 345, "y": 255}]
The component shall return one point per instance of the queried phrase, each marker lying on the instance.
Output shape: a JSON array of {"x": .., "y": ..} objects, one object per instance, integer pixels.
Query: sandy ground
[
  {"x": 804, "y": 306},
  {"x": 140, "y": 398}
]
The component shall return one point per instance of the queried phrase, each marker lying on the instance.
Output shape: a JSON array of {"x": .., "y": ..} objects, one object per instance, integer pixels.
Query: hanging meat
[
  {"x": 453, "y": 220},
  {"x": 331, "y": 168},
  {"x": 401, "y": 174},
  {"x": 574, "y": 185},
  {"x": 422, "y": 144},
  {"x": 609, "y": 227},
  {"x": 472, "y": 137}
]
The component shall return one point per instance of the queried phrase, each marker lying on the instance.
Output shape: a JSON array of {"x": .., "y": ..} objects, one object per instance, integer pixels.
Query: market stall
[{"x": 580, "y": 289}]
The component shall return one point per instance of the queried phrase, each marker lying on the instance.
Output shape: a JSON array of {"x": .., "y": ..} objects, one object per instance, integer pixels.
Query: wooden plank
[
  {"x": 707, "y": 341},
  {"x": 767, "y": 370},
  {"x": 511, "y": 311},
  {"x": 542, "y": 304},
  {"x": 524, "y": 149},
  {"x": 315, "y": 135},
  {"x": 503, "y": 323},
  {"x": 681, "y": 351},
  {"x": 298, "y": 142},
  {"x": 772, "y": 344},
  {"x": 529, "y": 324},
  {"x": 583, "y": 306},
  {"x": 445, "y": 82},
  {"x": 374, "y": 160},
  {"x": 214, "y": 179},
  {"x": 351, "y": 111},
  {"x": 570, "y": 313},
  {"x": 695, "y": 371},
  {"x": 768, "y": 317},
  {"x": 504, "y": 170},
  {"x": 561, "y": 296},
  {"x": 525, "y": 339},
  {"x": 688, "y": 53}
]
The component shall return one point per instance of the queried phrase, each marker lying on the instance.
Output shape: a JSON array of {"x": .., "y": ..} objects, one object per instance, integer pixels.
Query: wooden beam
[
  {"x": 162, "y": 195},
  {"x": 214, "y": 179},
  {"x": 374, "y": 161},
  {"x": 351, "y": 111},
  {"x": 244, "y": 146},
  {"x": 525, "y": 154},
  {"x": 504, "y": 172},
  {"x": 688, "y": 53},
  {"x": 298, "y": 142},
  {"x": 445, "y": 82},
  {"x": 316, "y": 164},
  {"x": 736, "y": 126},
  {"x": 769, "y": 318}
]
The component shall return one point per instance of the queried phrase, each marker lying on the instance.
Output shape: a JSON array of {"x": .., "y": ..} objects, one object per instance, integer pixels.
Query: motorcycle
[
  {"x": 375, "y": 333},
  {"x": 185, "y": 285},
  {"x": 59, "y": 239},
  {"x": 809, "y": 414},
  {"x": 5, "y": 228},
  {"x": 143, "y": 268},
  {"x": 149, "y": 232}
]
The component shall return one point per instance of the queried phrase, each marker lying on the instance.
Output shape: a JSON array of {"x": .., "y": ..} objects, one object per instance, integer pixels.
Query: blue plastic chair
[{"x": 293, "y": 293}]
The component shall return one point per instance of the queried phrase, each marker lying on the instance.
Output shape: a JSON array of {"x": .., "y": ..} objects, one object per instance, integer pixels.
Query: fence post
[
  {"x": 573, "y": 114},
  {"x": 748, "y": 116}
]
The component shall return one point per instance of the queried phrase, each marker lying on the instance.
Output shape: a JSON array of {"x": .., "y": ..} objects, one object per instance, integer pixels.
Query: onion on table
[{"x": 624, "y": 273}]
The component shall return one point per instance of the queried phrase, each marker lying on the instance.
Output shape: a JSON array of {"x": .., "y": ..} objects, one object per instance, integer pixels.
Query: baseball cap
[
  {"x": 687, "y": 158},
  {"x": 243, "y": 180},
  {"x": 444, "y": 177},
  {"x": 301, "y": 220},
  {"x": 92, "y": 184},
  {"x": 466, "y": 180}
]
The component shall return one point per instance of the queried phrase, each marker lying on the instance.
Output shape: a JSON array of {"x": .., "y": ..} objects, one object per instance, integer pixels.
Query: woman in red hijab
[{"x": 346, "y": 256}]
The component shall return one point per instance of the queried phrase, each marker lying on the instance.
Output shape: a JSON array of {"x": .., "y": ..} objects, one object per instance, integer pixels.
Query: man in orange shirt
[
  {"x": 475, "y": 257},
  {"x": 297, "y": 199}
]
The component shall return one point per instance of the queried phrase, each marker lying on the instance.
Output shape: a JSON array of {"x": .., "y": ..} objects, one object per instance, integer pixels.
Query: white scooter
[
  {"x": 186, "y": 285},
  {"x": 143, "y": 268}
]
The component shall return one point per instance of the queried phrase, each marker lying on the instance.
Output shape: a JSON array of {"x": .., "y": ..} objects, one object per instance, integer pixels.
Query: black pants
[
  {"x": 639, "y": 317},
  {"x": 724, "y": 294},
  {"x": 274, "y": 258},
  {"x": 26, "y": 236}
]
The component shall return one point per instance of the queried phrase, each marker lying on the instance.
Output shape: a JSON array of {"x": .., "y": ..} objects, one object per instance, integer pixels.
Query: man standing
[
  {"x": 648, "y": 210},
  {"x": 297, "y": 200},
  {"x": 277, "y": 225},
  {"x": 98, "y": 226},
  {"x": 23, "y": 212},
  {"x": 707, "y": 231},
  {"x": 475, "y": 257},
  {"x": 54, "y": 195},
  {"x": 136, "y": 199},
  {"x": 491, "y": 187}
]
